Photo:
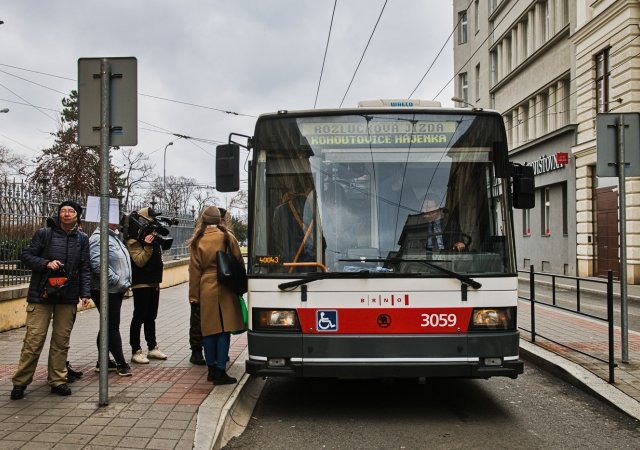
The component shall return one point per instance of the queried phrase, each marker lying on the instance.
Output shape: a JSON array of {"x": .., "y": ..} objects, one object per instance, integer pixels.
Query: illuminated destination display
[{"x": 378, "y": 133}]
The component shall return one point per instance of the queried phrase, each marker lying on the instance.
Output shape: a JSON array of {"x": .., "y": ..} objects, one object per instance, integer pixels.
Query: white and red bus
[{"x": 381, "y": 242}]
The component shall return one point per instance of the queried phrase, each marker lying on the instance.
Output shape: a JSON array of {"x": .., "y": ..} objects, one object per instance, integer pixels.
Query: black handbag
[
  {"x": 231, "y": 272},
  {"x": 56, "y": 285}
]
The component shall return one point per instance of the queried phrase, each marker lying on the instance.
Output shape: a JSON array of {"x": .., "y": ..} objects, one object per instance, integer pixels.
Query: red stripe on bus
[{"x": 390, "y": 320}]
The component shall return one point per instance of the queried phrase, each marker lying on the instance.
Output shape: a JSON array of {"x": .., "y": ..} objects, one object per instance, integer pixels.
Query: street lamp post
[{"x": 164, "y": 176}]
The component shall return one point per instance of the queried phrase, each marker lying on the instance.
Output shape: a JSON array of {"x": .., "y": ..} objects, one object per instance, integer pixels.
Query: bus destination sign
[{"x": 378, "y": 133}]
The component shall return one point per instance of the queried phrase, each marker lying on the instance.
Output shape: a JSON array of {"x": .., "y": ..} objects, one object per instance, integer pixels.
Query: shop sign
[{"x": 549, "y": 163}]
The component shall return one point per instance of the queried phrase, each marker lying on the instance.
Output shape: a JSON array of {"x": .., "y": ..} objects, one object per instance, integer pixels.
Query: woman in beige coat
[{"x": 220, "y": 310}]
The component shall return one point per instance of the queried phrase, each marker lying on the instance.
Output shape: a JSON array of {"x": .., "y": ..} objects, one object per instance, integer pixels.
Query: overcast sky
[{"x": 246, "y": 56}]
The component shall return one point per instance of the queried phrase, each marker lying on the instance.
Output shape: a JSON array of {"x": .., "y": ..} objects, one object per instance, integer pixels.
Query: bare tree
[
  {"x": 178, "y": 195},
  {"x": 204, "y": 196},
  {"x": 136, "y": 168},
  {"x": 10, "y": 163}
]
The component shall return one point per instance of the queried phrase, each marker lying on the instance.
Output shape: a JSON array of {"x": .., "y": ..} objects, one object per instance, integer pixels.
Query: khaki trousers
[{"x": 38, "y": 318}]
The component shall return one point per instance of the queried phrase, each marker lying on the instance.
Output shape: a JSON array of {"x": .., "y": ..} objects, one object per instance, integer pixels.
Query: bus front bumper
[{"x": 481, "y": 355}]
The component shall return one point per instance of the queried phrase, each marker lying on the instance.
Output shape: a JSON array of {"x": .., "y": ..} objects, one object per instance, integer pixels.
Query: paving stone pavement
[{"x": 156, "y": 408}]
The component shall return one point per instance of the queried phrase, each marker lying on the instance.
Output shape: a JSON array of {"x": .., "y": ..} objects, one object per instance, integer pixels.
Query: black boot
[
  {"x": 197, "y": 358},
  {"x": 221, "y": 377},
  {"x": 212, "y": 373},
  {"x": 72, "y": 375}
]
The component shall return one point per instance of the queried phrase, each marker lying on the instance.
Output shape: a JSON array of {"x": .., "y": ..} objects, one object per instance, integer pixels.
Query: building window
[
  {"x": 463, "y": 25},
  {"x": 547, "y": 21},
  {"x": 523, "y": 121},
  {"x": 493, "y": 56},
  {"x": 542, "y": 112},
  {"x": 543, "y": 26},
  {"x": 526, "y": 222},
  {"x": 477, "y": 83},
  {"x": 525, "y": 40},
  {"x": 603, "y": 78},
  {"x": 545, "y": 210},
  {"x": 476, "y": 14},
  {"x": 506, "y": 53},
  {"x": 464, "y": 87},
  {"x": 492, "y": 5}
]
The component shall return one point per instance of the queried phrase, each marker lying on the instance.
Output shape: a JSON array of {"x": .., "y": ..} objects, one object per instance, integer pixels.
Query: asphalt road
[{"x": 536, "y": 411}]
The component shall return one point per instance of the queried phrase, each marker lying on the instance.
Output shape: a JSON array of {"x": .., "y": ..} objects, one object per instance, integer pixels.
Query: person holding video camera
[
  {"x": 58, "y": 257},
  {"x": 144, "y": 242}
]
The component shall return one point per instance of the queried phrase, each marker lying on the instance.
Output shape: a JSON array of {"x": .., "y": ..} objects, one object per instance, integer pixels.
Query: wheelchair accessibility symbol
[{"x": 327, "y": 320}]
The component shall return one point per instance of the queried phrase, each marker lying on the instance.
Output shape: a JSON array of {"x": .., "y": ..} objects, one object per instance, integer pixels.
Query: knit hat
[
  {"x": 211, "y": 215},
  {"x": 74, "y": 205}
]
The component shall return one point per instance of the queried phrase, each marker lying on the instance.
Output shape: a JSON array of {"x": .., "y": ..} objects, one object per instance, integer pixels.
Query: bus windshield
[{"x": 385, "y": 193}]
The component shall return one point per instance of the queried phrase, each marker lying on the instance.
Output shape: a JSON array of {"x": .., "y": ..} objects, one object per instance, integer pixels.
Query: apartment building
[
  {"x": 516, "y": 56},
  {"x": 606, "y": 43}
]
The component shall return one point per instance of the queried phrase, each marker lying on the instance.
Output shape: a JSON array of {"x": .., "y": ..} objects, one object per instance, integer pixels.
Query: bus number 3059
[{"x": 438, "y": 320}]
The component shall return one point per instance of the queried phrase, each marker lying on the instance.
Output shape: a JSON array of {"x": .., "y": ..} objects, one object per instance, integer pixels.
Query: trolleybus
[{"x": 381, "y": 242}]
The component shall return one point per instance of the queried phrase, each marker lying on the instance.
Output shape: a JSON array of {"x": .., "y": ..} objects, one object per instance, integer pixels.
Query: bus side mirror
[
  {"x": 523, "y": 187},
  {"x": 228, "y": 168}
]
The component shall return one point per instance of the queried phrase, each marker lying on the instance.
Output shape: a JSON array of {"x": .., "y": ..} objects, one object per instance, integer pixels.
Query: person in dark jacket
[
  {"x": 59, "y": 245},
  {"x": 147, "y": 268}
]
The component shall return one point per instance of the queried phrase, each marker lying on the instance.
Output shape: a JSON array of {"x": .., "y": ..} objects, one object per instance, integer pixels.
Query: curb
[
  {"x": 580, "y": 377},
  {"x": 226, "y": 411}
]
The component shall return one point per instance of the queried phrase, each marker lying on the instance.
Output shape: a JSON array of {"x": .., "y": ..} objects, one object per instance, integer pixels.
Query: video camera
[{"x": 136, "y": 226}]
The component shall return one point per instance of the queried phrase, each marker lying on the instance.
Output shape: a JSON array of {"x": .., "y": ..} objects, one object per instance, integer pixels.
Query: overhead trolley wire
[
  {"x": 140, "y": 94},
  {"x": 325, "y": 53},
  {"x": 363, "y": 53},
  {"x": 440, "y": 52}
]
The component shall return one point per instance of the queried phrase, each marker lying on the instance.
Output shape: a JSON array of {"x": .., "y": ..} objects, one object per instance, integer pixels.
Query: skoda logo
[{"x": 384, "y": 320}]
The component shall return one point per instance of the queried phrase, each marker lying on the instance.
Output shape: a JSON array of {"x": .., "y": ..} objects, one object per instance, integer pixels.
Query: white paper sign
[{"x": 93, "y": 210}]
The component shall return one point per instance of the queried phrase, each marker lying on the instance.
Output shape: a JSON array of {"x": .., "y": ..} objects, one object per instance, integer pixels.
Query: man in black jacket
[{"x": 59, "y": 245}]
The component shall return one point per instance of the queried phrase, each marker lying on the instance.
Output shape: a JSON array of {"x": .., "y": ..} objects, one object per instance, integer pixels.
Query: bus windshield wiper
[
  {"x": 465, "y": 279},
  {"x": 323, "y": 276}
]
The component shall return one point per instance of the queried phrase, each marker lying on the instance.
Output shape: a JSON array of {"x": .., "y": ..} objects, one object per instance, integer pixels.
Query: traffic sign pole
[
  {"x": 624, "y": 312},
  {"x": 103, "y": 356}
]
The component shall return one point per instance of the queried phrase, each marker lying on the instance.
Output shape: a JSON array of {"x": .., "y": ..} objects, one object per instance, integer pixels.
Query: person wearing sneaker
[
  {"x": 147, "y": 268},
  {"x": 119, "y": 281},
  {"x": 220, "y": 309},
  {"x": 60, "y": 244}
]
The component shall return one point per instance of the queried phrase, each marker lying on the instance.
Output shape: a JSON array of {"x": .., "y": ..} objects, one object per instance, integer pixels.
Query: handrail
[
  {"x": 609, "y": 319},
  {"x": 306, "y": 264}
]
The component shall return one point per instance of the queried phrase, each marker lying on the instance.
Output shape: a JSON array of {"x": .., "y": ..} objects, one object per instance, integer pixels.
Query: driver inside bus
[{"x": 434, "y": 218}]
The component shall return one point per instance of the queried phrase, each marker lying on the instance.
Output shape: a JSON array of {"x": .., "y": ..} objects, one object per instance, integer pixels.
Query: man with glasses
[{"x": 59, "y": 252}]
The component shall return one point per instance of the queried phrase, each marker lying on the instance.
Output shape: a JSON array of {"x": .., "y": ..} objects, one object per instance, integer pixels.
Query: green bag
[{"x": 245, "y": 315}]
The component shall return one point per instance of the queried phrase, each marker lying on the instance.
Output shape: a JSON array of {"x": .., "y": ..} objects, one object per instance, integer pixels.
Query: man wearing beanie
[
  {"x": 60, "y": 245},
  {"x": 147, "y": 268}
]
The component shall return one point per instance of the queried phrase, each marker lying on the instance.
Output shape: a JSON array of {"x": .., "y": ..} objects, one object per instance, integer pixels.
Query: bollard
[
  {"x": 532, "y": 296},
  {"x": 610, "y": 322}
]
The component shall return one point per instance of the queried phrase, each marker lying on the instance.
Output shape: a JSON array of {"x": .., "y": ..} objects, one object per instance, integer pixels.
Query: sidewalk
[
  {"x": 156, "y": 408},
  {"x": 169, "y": 404}
]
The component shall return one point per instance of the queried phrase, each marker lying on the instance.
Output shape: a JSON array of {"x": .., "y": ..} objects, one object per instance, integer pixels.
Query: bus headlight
[
  {"x": 493, "y": 319},
  {"x": 275, "y": 320}
]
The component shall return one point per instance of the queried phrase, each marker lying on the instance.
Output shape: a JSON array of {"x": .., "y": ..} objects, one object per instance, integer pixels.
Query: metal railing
[
  {"x": 609, "y": 319},
  {"x": 23, "y": 210}
]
